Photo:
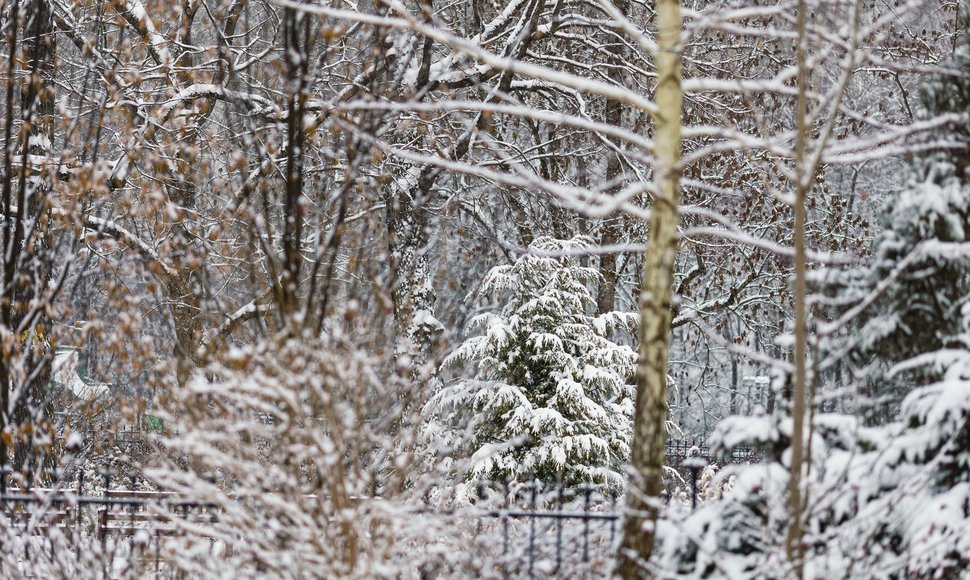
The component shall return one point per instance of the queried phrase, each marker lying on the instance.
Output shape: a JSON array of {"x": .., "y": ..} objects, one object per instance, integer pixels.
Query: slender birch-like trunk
[{"x": 649, "y": 433}]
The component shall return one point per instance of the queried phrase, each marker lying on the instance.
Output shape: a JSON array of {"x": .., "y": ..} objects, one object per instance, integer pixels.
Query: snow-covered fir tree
[
  {"x": 884, "y": 502},
  {"x": 911, "y": 303},
  {"x": 550, "y": 396},
  {"x": 917, "y": 285}
]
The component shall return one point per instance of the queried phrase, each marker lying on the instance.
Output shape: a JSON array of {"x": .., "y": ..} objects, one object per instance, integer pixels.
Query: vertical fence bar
[
  {"x": 587, "y": 491},
  {"x": 158, "y": 553},
  {"x": 532, "y": 523},
  {"x": 480, "y": 496},
  {"x": 133, "y": 548},
  {"x": 28, "y": 509},
  {"x": 693, "y": 488},
  {"x": 77, "y": 516},
  {"x": 60, "y": 507},
  {"x": 559, "y": 528},
  {"x": 103, "y": 531},
  {"x": 505, "y": 523},
  {"x": 166, "y": 508},
  {"x": 613, "y": 524}
]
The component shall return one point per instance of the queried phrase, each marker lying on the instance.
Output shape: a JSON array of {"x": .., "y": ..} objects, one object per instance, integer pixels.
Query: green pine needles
[{"x": 551, "y": 396}]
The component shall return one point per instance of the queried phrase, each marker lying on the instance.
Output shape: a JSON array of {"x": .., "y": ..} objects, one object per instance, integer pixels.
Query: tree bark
[
  {"x": 612, "y": 226},
  {"x": 649, "y": 432},
  {"x": 297, "y": 69},
  {"x": 28, "y": 251},
  {"x": 803, "y": 178},
  {"x": 10, "y": 247}
]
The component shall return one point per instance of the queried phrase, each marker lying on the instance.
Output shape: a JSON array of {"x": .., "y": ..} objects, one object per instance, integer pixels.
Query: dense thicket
[
  {"x": 889, "y": 484},
  {"x": 311, "y": 253}
]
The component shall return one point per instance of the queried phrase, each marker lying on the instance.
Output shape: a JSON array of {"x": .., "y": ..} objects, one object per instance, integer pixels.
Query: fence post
[
  {"x": 77, "y": 515},
  {"x": 103, "y": 517},
  {"x": 559, "y": 527},
  {"x": 587, "y": 492},
  {"x": 158, "y": 554},
  {"x": 28, "y": 509},
  {"x": 613, "y": 524},
  {"x": 694, "y": 464},
  {"x": 532, "y": 523},
  {"x": 505, "y": 528},
  {"x": 55, "y": 485},
  {"x": 479, "y": 496}
]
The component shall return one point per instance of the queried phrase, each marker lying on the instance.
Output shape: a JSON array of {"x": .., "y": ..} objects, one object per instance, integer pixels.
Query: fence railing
[
  {"x": 531, "y": 528},
  {"x": 119, "y": 529},
  {"x": 544, "y": 526},
  {"x": 678, "y": 449}
]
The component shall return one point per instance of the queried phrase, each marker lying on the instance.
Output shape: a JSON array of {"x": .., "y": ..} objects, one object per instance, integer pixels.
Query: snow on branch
[
  {"x": 133, "y": 11},
  {"x": 469, "y": 48}
]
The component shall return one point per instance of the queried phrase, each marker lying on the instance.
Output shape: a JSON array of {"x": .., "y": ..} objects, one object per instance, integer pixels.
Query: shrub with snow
[{"x": 889, "y": 501}]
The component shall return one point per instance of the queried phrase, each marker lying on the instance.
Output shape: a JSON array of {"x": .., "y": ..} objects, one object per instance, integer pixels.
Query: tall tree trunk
[
  {"x": 613, "y": 226},
  {"x": 26, "y": 244},
  {"x": 803, "y": 179},
  {"x": 649, "y": 432},
  {"x": 412, "y": 289},
  {"x": 9, "y": 247},
  {"x": 297, "y": 25}
]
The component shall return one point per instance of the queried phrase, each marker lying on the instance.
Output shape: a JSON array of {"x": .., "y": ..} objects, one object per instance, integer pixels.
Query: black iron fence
[
  {"x": 689, "y": 459},
  {"x": 59, "y": 531},
  {"x": 528, "y": 529},
  {"x": 680, "y": 449},
  {"x": 548, "y": 529}
]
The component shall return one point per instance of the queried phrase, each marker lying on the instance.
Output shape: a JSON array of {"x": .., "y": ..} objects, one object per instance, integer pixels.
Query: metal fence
[
  {"x": 548, "y": 529},
  {"x": 680, "y": 449},
  {"x": 530, "y": 529},
  {"x": 688, "y": 459},
  {"x": 118, "y": 529}
]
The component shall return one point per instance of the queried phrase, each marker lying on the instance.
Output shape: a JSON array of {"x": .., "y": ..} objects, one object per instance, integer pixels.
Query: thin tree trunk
[
  {"x": 296, "y": 34},
  {"x": 793, "y": 539},
  {"x": 612, "y": 226},
  {"x": 10, "y": 249},
  {"x": 33, "y": 406},
  {"x": 649, "y": 432}
]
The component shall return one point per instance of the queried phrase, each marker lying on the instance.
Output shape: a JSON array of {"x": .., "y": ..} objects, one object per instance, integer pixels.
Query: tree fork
[{"x": 649, "y": 433}]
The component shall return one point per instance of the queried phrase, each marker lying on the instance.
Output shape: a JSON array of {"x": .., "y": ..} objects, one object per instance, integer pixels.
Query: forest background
[{"x": 331, "y": 250}]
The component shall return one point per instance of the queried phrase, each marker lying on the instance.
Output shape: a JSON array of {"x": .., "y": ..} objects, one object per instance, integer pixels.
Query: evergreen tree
[
  {"x": 915, "y": 293},
  {"x": 551, "y": 393}
]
